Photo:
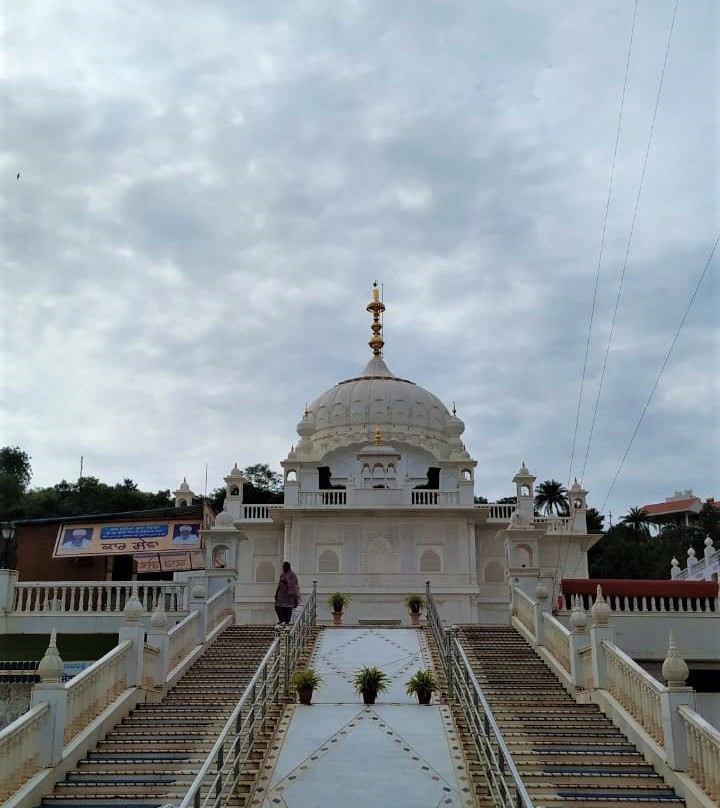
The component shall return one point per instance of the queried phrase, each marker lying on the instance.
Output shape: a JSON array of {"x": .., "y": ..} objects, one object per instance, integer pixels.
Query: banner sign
[
  {"x": 169, "y": 562},
  {"x": 127, "y": 538}
]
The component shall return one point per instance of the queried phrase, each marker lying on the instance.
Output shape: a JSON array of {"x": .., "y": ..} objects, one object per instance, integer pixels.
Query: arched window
[
  {"x": 234, "y": 491},
  {"x": 265, "y": 573},
  {"x": 328, "y": 562},
  {"x": 523, "y": 555},
  {"x": 391, "y": 472},
  {"x": 466, "y": 475},
  {"x": 291, "y": 476},
  {"x": 430, "y": 562},
  {"x": 182, "y": 503},
  {"x": 494, "y": 573},
  {"x": 525, "y": 490},
  {"x": 219, "y": 557}
]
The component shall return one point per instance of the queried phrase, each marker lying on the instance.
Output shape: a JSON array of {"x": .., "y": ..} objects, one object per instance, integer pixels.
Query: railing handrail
[
  {"x": 107, "y": 584},
  {"x": 188, "y": 799},
  {"x": 26, "y": 718},
  {"x": 550, "y": 618},
  {"x": 502, "y": 746},
  {"x": 99, "y": 664},
  {"x": 441, "y": 634},
  {"x": 524, "y": 595},
  {"x": 694, "y": 718},
  {"x": 189, "y": 618},
  {"x": 218, "y": 595},
  {"x": 629, "y": 662}
]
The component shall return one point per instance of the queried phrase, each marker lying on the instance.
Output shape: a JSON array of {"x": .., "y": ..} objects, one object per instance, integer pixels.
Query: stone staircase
[
  {"x": 568, "y": 754},
  {"x": 152, "y": 757}
]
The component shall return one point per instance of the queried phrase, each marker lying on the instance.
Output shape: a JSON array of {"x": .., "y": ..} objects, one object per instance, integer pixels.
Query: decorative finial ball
[
  {"x": 541, "y": 593},
  {"x": 674, "y": 562},
  {"x": 159, "y": 618},
  {"x": 708, "y": 541},
  {"x": 600, "y": 610},
  {"x": 199, "y": 591},
  {"x": 578, "y": 617},
  {"x": 133, "y": 608},
  {"x": 674, "y": 669},
  {"x": 691, "y": 552},
  {"x": 50, "y": 668}
]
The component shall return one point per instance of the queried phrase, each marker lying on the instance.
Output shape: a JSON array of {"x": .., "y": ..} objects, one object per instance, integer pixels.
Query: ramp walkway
[{"x": 338, "y": 751}]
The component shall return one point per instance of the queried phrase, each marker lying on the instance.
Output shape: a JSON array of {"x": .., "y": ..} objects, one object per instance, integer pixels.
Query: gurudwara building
[{"x": 379, "y": 498}]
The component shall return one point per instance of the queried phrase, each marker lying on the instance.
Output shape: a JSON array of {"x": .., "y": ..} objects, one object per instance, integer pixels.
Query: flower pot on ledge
[
  {"x": 337, "y": 618},
  {"x": 415, "y": 618}
]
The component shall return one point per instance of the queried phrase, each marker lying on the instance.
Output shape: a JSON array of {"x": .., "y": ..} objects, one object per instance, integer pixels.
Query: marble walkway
[{"x": 337, "y": 752}]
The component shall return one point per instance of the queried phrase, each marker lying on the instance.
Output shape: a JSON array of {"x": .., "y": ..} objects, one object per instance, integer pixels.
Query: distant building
[{"x": 682, "y": 508}]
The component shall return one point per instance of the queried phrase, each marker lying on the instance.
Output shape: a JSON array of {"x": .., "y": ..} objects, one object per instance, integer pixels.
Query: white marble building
[{"x": 379, "y": 498}]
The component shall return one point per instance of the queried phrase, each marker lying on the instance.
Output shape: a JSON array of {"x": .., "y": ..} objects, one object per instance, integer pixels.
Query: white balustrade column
[
  {"x": 579, "y": 639},
  {"x": 52, "y": 691},
  {"x": 198, "y": 602},
  {"x": 600, "y": 631},
  {"x": 134, "y": 631},
  {"x": 157, "y": 636},
  {"x": 542, "y": 605},
  {"x": 675, "y": 672},
  {"x": 8, "y": 579}
]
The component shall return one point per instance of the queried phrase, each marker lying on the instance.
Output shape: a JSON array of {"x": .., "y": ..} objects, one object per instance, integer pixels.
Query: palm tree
[
  {"x": 552, "y": 495},
  {"x": 636, "y": 518}
]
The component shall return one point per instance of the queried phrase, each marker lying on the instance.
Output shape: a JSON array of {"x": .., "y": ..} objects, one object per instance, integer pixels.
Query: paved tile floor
[{"x": 339, "y": 753}]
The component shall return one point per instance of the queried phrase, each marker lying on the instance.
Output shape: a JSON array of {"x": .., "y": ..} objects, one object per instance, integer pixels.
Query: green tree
[
  {"x": 550, "y": 496},
  {"x": 636, "y": 519},
  {"x": 594, "y": 520},
  {"x": 263, "y": 486},
  {"x": 15, "y": 476}
]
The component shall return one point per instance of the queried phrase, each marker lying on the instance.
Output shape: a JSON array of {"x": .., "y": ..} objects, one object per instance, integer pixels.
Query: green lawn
[{"x": 72, "y": 647}]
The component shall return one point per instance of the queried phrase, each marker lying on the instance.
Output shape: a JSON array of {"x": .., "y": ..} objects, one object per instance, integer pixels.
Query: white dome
[{"x": 376, "y": 397}]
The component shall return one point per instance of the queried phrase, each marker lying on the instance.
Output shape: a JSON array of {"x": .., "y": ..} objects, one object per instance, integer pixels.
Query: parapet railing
[
  {"x": 593, "y": 664},
  {"x": 183, "y": 637},
  {"x": 90, "y": 692},
  {"x": 104, "y": 597},
  {"x": 504, "y": 781},
  {"x": 19, "y": 749},
  {"x": 663, "y": 596},
  {"x": 299, "y": 634},
  {"x": 701, "y": 570},
  {"x": 703, "y": 749}
]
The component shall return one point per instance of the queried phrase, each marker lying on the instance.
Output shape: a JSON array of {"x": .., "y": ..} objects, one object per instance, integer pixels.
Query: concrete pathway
[{"x": 337, "y": 753}]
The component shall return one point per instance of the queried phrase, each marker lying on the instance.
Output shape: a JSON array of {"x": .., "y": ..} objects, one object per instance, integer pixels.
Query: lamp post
[{"x": 7, "y": 546}]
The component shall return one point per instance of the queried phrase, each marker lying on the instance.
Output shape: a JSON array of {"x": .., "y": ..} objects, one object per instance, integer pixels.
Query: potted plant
[
  {"x": 415, "y": 604},
  {"x": 423, "y": 685},
  {"x": 305, "y": 680},
  {"x": 369, "y": 682},
  {"x": 338, "y": 602}
]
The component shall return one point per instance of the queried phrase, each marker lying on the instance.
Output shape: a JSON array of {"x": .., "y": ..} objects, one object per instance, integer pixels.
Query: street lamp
[{"x": 7, "y": 546}]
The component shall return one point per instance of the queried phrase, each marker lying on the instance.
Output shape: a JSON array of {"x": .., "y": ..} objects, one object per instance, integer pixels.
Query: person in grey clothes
[{"x": 287, "y": 594}]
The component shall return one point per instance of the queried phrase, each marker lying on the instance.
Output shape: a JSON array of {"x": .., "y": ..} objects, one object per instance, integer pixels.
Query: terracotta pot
[
  {"x": 369, "y": 696},
  {"x": 305, "y": 695},
  {"x": 337, "y": 618},
  {"x": 415, "y": 618}
]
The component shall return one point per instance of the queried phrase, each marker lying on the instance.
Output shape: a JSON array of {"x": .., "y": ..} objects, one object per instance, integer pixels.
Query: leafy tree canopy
[
  {"x": 550, "y": 496},
  {"x": 263, "y": 486},
  {"x": 594, "y": 520},
  {"x": 15, "y": 476}
]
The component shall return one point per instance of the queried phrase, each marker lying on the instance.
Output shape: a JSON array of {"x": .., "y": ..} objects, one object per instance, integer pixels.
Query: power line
[
  {"x": 602, "y": 241},
  {"x": 662, "y": 370},
  {"x": 629, "y": 242}
]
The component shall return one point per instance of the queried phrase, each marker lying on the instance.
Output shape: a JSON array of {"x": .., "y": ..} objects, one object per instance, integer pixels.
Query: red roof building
[{"x": 681, "y": 508}]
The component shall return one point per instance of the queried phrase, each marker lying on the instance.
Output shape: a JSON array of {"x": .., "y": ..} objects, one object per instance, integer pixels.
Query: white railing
[
  {"x": 32, "y": 597},
  {"x": 91, "y": 691},
  {"x": 423, "y": 496},
  {"x": 700, "y": 571},
  {"x": 557, "y": 640},
  {"x": 586, "y": 658},
  {"x": 150, "y": 662},
  {"x": 497, "y": 511},
  {"x": 318, "y": 499},
  {"x": 703, "y": 748},
  {"x": 182, "y": 638},
  {"x": 525, "y": 609},
  {"x": 257, "y": 513},
  {"x": 554, "y": 524},
  {"x": 666, "y": 603},
  {"x": 635, "y": 689},
  {"x": 19, "y": 745},
  {"x": 219, "y": 606}
]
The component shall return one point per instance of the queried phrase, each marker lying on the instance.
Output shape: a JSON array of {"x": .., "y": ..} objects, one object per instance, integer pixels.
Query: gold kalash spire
[{"x": 376, "y": 307}]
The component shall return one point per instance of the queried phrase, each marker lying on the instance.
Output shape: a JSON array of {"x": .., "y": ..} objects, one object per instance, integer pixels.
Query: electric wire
[
  {"x": 662, "y": 370},
  {"x": 602, "y": 242},
  {"x": 629, "y": 242}
]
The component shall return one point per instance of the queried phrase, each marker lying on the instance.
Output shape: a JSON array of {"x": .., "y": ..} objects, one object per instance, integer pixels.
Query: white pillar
[
  {"x": 198, "y": 602},
  {"x": 132, "y": 630},
  {"x": 52, "y": 691},
  {"x": 675, "y": 672},
  {"x": 579, "y": 639},
  {"x": 542, "y": 605},
  {"x": 157, "y": 636},
  {"x": 8, "y": 579},
  {"x": 600, "y": 631}
]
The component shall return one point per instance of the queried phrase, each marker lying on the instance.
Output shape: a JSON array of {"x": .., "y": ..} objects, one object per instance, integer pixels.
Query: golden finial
[
  {"x": 376, "y": 307},
  {"x": 378, "y": 437}
]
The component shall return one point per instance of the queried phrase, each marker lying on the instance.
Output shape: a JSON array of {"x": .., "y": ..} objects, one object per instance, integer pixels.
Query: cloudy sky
[{"x": 207, "y": 191}]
